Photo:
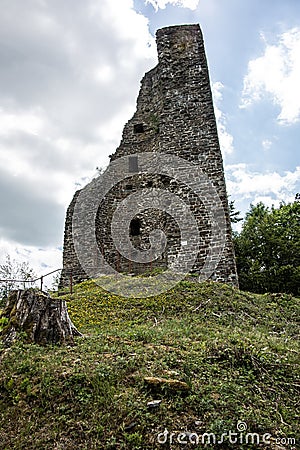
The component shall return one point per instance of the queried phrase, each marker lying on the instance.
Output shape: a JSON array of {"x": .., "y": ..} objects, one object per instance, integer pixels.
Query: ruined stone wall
[{"x": 174, "y": 116}]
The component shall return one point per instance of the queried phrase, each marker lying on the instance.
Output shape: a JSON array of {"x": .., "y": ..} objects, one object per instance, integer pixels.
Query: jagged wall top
[
  {"x": 177, "y": 42},
  {"x": 174, "y": 105}
]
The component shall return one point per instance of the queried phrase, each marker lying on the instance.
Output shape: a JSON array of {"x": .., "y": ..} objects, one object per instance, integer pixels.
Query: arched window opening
[{"x": 135, "y": 227}]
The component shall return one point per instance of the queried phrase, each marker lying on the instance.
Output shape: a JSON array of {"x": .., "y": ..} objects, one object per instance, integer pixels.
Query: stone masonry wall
[{"x": 174, "y": 116}]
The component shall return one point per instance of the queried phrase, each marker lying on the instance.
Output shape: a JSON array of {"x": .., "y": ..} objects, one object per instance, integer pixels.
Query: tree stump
[{"x": 42, "y": 319}]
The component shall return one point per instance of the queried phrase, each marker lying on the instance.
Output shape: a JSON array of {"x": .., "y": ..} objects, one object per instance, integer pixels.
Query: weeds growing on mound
[{"x": 238, "y": 354}]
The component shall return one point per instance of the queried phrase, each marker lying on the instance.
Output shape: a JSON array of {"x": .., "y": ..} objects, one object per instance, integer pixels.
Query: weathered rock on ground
[{"x": 172, "y": 384}]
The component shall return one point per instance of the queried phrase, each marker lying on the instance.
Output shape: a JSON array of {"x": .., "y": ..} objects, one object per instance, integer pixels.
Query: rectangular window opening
[
  {"x": 138, "y": 128},
  {"x": 133, "y": 164}
]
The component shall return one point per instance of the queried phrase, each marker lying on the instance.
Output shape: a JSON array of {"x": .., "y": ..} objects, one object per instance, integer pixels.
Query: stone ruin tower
[{"x": 174, "y": 116}]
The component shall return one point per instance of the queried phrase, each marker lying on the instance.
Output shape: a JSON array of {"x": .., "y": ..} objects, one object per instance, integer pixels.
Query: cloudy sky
[{"x": 69, "y": 76}]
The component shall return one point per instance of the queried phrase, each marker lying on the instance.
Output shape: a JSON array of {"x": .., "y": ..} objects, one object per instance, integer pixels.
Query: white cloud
[
  {"x": 28, "y": 122},
  {"x": 243, "y": 184},
  {"x": 266, "y": 144},
  {"x": 104, "y": 73},
  {"x": 277, "y": 74},
  {"x": 225, "y": 138},
  {"x": 68, "y": 86},
  {"x": 161, "y": 4}
]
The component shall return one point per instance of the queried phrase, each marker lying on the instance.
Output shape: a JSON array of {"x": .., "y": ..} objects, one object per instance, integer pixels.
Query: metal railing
[
  {"x": 73, "y": 274},
  {"x": 30, "y": 280}
]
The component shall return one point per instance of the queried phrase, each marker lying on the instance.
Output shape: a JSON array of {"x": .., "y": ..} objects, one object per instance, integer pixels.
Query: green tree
[
  {"x": 268, "y": 249},
  {"x": 234, "y": 214}
]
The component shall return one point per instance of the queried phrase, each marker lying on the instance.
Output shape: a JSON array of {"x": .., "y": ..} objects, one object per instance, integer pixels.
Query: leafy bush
[{"x": 268, "y": 249}]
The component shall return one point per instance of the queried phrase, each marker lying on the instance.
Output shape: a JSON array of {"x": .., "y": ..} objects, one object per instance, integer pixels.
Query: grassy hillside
[{"x": 220, "y": 360}]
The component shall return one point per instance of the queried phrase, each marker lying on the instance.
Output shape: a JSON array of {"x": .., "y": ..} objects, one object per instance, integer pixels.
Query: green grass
[{"x": 238, "y": 353}]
